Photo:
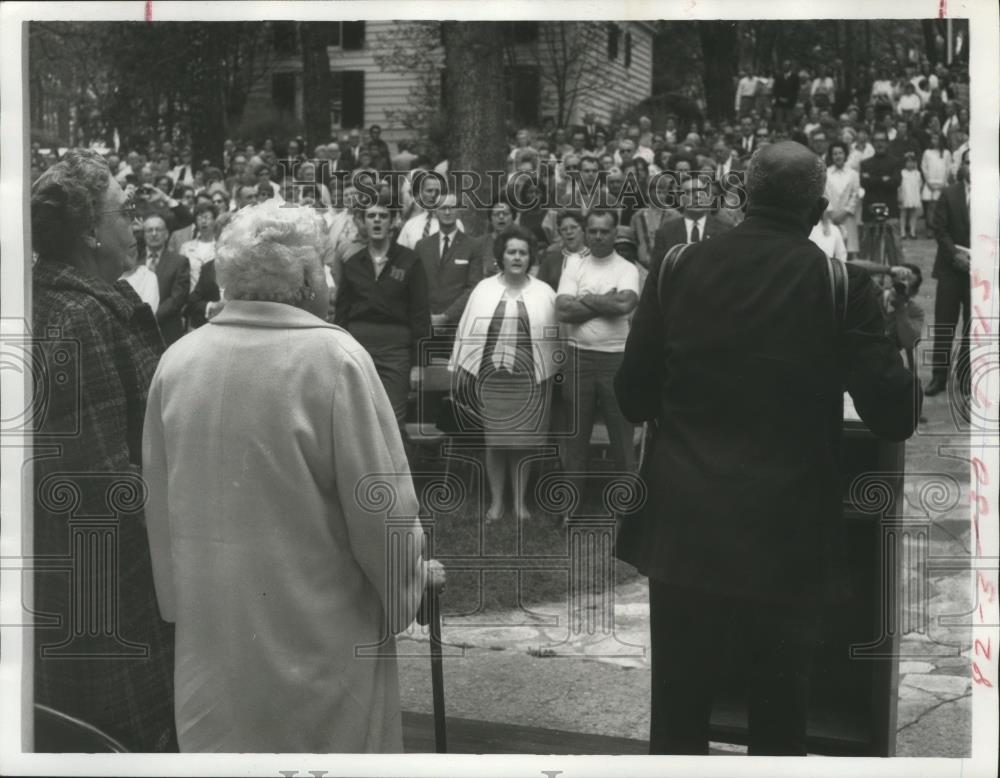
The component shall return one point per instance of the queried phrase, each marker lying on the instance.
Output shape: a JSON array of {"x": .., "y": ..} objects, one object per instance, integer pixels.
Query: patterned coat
[{"x": 98, "y": 345}]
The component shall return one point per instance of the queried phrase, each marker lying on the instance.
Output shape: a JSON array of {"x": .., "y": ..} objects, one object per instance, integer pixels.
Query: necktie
[
  {"x": 444, "y": 250},
  {"x": 154, "y": 260},
  {"x": 695, "y": 235},
  {"x": 427, "y": 225}
]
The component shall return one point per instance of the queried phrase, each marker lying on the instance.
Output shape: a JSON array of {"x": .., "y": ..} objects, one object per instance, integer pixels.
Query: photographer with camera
[
  {"x": 150, "y": 200},
  {"x": 881, "y": 176}
]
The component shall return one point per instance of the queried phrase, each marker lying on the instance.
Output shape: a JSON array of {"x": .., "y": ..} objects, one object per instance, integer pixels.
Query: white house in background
[{"x": 364, "y": 94}]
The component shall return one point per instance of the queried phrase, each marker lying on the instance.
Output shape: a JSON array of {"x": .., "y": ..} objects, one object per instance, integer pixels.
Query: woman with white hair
[{"x": 274, "y": 549}]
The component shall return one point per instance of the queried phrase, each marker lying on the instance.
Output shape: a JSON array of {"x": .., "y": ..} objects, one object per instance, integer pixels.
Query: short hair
[
  {"x": 573, "y": 214},
  {"x": 604, "y": 212},
  {"x": 514, "y": 231},
  {"x": 786, "y": 175},
  {"x": 65, "y": 202},
  {"x": 918, "y": 275},
  {"x": 208, "y": 207},
  {"x": 837, "y": 144},
  {"x": 589, "y": 158},
  {"x": 266, "y": 252}
]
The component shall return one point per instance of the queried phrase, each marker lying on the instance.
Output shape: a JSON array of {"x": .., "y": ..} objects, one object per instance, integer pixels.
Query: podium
[{"x": 853, "y": 694}]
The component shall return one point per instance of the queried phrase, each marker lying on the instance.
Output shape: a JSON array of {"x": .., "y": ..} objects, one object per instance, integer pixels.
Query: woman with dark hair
[
  {"x": 111, "y": 667},
  {"x": 935, "y": 165},
  {"x": 843, "y": 194},
  {"x": 200, "y": 250},
  {"x": 502, "y": 362}
]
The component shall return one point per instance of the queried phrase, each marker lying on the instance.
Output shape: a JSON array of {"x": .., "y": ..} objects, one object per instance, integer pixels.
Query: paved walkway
[{"x": 522, "y": 667}]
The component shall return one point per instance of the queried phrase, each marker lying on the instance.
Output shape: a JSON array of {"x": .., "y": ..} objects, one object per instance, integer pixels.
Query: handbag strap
[
  {"x": 837, "y": 274},
  {"x": 670, "y": 262}
]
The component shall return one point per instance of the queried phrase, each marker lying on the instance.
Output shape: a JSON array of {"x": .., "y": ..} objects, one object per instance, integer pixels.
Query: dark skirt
[{"x": 515, "y": 409}]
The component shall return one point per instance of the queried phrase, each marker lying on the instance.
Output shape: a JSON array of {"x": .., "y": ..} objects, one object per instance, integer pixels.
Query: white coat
[{"x": 267, "y": 434}]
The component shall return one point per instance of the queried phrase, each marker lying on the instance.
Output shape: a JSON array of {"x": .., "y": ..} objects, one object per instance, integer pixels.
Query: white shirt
[
  {"x": 746, "y": 88},
  {"x": 689, "y": 223},
  {"x": 143, "y": 280},
  {"x": 829, "y": 238},
  {"x": 908, "y": 103},
  {"x": 451, "y": 240},
  {"x": 590, "y": 275},
  {"x": 413, "y": 230}
]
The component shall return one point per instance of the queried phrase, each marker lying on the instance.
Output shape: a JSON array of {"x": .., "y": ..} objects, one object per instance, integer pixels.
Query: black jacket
[
  {"x": 398, "y": 296},
  {"x": 744, "y": 370},
  {"x": 951, "y": 228}
]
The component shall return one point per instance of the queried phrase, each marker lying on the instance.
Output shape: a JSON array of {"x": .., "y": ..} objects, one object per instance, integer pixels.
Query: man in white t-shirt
[{"x": 596, "y": 297}]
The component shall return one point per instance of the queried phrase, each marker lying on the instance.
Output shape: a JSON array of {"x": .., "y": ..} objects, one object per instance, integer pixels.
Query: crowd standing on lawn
[{"x": 144, "y": 249}]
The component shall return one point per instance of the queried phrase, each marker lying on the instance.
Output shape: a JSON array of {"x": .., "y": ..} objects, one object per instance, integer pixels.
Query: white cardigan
[{"x": 540, "y": 303}]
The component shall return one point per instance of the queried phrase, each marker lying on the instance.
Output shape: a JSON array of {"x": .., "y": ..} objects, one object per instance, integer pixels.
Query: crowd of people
[{"x": 325, "y": 301}]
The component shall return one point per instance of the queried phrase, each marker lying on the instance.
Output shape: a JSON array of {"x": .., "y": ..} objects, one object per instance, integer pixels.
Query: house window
[
  {"x": 352, "y": 36},
  {"x": 341, "y": 35},
  {"x": 613, "y": 42},
  {"x": 628, "y": 49},
  {"x": 283, "y": 37},
  {"x": 347, "y": 98},
  {"x": 283, "y": 91},
  {"x": 523, "y": 94}
]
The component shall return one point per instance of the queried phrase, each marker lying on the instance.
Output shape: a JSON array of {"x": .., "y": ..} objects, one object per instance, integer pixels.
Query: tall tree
[
  {"x": 315, "y": 83},
  {"x": 720, "y": 55},
  {"x": 474, "y": 67}
]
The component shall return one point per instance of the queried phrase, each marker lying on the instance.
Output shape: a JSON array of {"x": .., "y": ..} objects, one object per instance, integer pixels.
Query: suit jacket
[
  {"x": 451, "y": 278},
  {"x": 743, "y": 369},
  {"x": 951, "y": 227},
  {"x": 672, "y": 232},
  {"x": 173, "y": 272}
]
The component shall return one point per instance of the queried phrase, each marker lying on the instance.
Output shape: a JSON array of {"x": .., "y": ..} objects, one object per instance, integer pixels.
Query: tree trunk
[
  {"x": 474, "y": 66},
  {"x": 719, "y": 53},
  {"x": 930, "y": 30},
  {"x": 315, "y": 85}
]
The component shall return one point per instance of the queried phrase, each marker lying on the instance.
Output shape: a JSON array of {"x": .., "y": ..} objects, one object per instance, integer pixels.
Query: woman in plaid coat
[{"x": 101, "y": 652}]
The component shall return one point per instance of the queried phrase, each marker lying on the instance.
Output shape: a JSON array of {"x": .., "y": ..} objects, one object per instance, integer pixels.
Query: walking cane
[{"x": 430, "y": 612}]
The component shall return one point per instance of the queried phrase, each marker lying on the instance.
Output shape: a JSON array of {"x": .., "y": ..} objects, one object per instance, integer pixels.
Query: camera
[{"x": 880, "y": 211}]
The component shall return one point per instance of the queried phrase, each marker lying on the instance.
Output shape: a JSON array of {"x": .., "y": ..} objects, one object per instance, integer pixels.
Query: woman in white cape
[{"x": 504, "y": 355}]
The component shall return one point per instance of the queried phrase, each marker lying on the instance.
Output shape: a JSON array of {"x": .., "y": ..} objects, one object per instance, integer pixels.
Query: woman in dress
[
  {"x": 935, "y": 166},
  {"x": 502, "y": 362},
  {"x": 201, "y": 249},
  {"x": 112, "y": 668},
  {"x": 842, "y": 185},
  {"x": 269, "y": 511}
]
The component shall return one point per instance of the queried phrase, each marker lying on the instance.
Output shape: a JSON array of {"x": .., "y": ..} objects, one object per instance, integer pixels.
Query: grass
[{"x": 509, "y": 563}]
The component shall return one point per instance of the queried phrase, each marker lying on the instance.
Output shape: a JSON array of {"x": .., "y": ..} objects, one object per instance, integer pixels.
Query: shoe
[{"x": 936, "y": 386}]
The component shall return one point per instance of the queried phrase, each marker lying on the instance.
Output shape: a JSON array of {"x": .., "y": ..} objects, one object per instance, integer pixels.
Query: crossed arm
[{"x": 575, "y": 310}]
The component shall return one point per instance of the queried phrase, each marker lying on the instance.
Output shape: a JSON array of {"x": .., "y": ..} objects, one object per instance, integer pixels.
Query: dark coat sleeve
[
  {"x": 639, "y": 379},
  {"x": 941, "y": 224},
  {"x": 473, "y": 275},
  {"x": 886, "y": 395},
  {"x": 205, "y": 291},
  {"x": 180, "y": 286}
]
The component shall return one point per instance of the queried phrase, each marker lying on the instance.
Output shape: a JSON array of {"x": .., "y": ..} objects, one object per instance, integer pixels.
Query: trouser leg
[
  {"x": 683, "y": 655},
  {"x": 950, "y": 300},
  {"x": 620, "y": 429},
  {"x": 781, "y": 654}
]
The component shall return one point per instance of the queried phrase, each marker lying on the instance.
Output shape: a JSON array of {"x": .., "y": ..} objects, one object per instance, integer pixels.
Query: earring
[{"x": 97, "y": 244}]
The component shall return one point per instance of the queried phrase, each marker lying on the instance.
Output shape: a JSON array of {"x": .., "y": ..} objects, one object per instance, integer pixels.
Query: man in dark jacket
[
  {"x": 743, "y": 365},
  {"x": 698, "y": 224},
  {"x": 951, "y": 269},
  {"x": 173, "y": 274},
  {"x": 881, "y": 176}
]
